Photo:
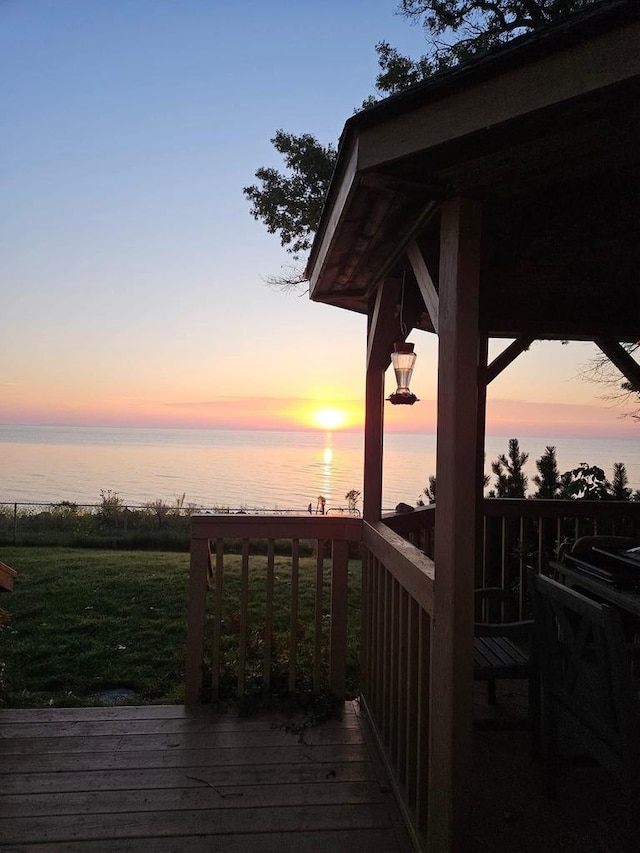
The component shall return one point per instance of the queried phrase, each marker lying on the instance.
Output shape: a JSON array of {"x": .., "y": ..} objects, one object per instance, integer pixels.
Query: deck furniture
[
  {"x": 627, "y": 600},
  {"x": 587, "y": 680},
  {"x": 501, "y": 648}
]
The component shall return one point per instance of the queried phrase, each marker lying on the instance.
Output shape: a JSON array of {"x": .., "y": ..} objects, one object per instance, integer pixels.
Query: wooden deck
[{"x": 160, "y": 778}]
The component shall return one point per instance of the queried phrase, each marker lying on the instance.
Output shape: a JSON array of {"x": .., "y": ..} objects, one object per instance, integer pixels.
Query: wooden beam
[
  {"x": 577, "y": 69},
  {"x": 425, "y": 282},
  {"x": 373, "y": 445},
  {"x": 483, "y": 355},
  {"x": 451, "y": 689},
  {"x": 382, "y": 325},
  {"x": 617, "y": 354},
  {"x": 505, "y": 358}
]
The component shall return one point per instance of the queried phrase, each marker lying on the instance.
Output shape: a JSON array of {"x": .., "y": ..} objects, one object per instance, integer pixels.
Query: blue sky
[{"x": 131, "y": 273}]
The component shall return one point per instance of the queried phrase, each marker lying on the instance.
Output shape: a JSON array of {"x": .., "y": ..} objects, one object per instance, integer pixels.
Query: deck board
[
  {"x": 335, "y": 841},
  {"x": 169, "y": 778}
]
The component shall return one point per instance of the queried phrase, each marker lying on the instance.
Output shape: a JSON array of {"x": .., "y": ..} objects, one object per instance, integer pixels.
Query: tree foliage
[
  {"x": 459, "y": 29},
  {"x": 290, "y": 202},
  {"x": 587, "y": 482}
]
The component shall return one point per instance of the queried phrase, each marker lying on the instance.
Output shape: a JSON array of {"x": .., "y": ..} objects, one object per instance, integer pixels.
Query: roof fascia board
[
  {"x": 596, "y": 63},
  {"x": 339, "y": 205}
]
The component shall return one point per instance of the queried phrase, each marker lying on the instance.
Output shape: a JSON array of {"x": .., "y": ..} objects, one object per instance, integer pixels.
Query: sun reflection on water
[{"x": 327, "y": 466}]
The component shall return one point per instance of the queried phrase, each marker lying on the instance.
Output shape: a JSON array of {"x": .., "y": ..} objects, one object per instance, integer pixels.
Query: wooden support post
[
  {"x": 373, "y": 446},
  {"x": 483, "y": 355},
  {"x": 451, "y": 691}
]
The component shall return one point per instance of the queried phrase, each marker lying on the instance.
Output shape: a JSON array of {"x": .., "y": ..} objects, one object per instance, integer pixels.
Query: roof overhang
[{"x": 546, "y": 132}]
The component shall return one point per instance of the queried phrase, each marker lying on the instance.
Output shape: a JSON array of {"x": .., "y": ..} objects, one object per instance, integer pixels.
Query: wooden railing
[
  {"x": 397, "y": 611},
  {"x": 521, "y": 537},
  {"x": 417, "y": 527},
  {"x": 224, "y": 639},
  {"x": 397, "y": 607}
]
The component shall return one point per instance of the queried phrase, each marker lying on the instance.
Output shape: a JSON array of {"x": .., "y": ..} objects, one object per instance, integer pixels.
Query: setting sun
[{"x": 329, "y": 418}]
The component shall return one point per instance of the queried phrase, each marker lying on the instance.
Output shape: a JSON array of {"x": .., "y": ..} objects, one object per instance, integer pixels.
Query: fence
[{"x": 112, "y": 523}]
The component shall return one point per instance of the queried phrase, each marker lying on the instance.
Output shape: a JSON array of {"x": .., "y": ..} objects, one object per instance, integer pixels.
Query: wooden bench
[{"x": 501, "y": 649}]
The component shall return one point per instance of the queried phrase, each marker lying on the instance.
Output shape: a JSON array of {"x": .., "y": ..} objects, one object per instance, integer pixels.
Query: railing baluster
[
  {"x": 422, "y": 752},
  {"x": 338, "y": 646},
  {"x": 244, "y": 617},
  {"x": 386, "y": 655},
  {"x": 412, "y": 702},
  {"x": 365, "y": 638},
  {"x": 401, "y": 684},
  {"x": 217, "y": 621},
  {"x": 317, "y": 655},
  {"x": 541, "y": 529},
  {"x": 485, "y": 528},
  {"x": 379, "y": 629},
  {"x": 521, "y": 567},
  {"x": 393, "y": 668},
  {"x": 268, "y": 618},
  {"x": 373, "y": 631},
  {"x": 503, "y": 553},
  {"x": 293, "y": 623}
]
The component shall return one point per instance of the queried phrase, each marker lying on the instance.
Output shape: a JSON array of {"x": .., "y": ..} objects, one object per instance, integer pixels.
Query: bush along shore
[{"x": 111, "y": 523}]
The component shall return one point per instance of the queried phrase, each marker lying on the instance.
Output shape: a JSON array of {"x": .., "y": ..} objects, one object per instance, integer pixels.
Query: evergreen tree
[
  {"x": 511, "y": 481},
  {"x": 620, "y": 490},
  {"x": 429, "y": 492},
  {"x": 548, "y": 477}
]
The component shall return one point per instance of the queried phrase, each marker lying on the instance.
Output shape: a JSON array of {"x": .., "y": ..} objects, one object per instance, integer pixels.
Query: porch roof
[{"x": 544, "y": 131}]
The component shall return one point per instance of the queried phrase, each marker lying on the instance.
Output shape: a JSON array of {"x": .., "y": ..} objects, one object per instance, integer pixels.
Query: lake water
[{"x": 252, "y": 469}]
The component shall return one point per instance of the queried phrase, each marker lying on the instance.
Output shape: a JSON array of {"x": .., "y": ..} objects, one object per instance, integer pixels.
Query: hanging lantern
[{"x": 403, "y": 359}]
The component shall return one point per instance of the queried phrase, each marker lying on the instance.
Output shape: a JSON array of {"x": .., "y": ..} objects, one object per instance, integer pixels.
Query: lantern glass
[
  {"x": 403, "y": 363},
  {"x": 403, "y": 359}
]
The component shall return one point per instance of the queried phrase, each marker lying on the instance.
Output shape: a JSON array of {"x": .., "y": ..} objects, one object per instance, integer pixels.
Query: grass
[{"x": 86, "y": 621}]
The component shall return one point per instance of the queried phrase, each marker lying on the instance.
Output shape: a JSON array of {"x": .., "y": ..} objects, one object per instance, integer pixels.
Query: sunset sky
[{"x": 132, "y": 274}]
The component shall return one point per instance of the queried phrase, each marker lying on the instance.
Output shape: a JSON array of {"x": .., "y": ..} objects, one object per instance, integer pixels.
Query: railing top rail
[
  {"x": 406, "y": 522},
  {"x": 276, "y": 527},
  {"x": 410, "y": 567},
  {"x": 535, "y": 508}
]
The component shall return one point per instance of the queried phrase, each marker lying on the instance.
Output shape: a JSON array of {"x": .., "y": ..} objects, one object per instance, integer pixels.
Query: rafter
[
  {"x": 382, "y": 325},
  {"x": 617, "y": 354},
  {"x": 425, "y": 282},
  {"x": 505, "y": 358}
]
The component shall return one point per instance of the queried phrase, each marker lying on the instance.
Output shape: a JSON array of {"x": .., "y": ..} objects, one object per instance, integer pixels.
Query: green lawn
[{"x": 85, "y": 621}]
